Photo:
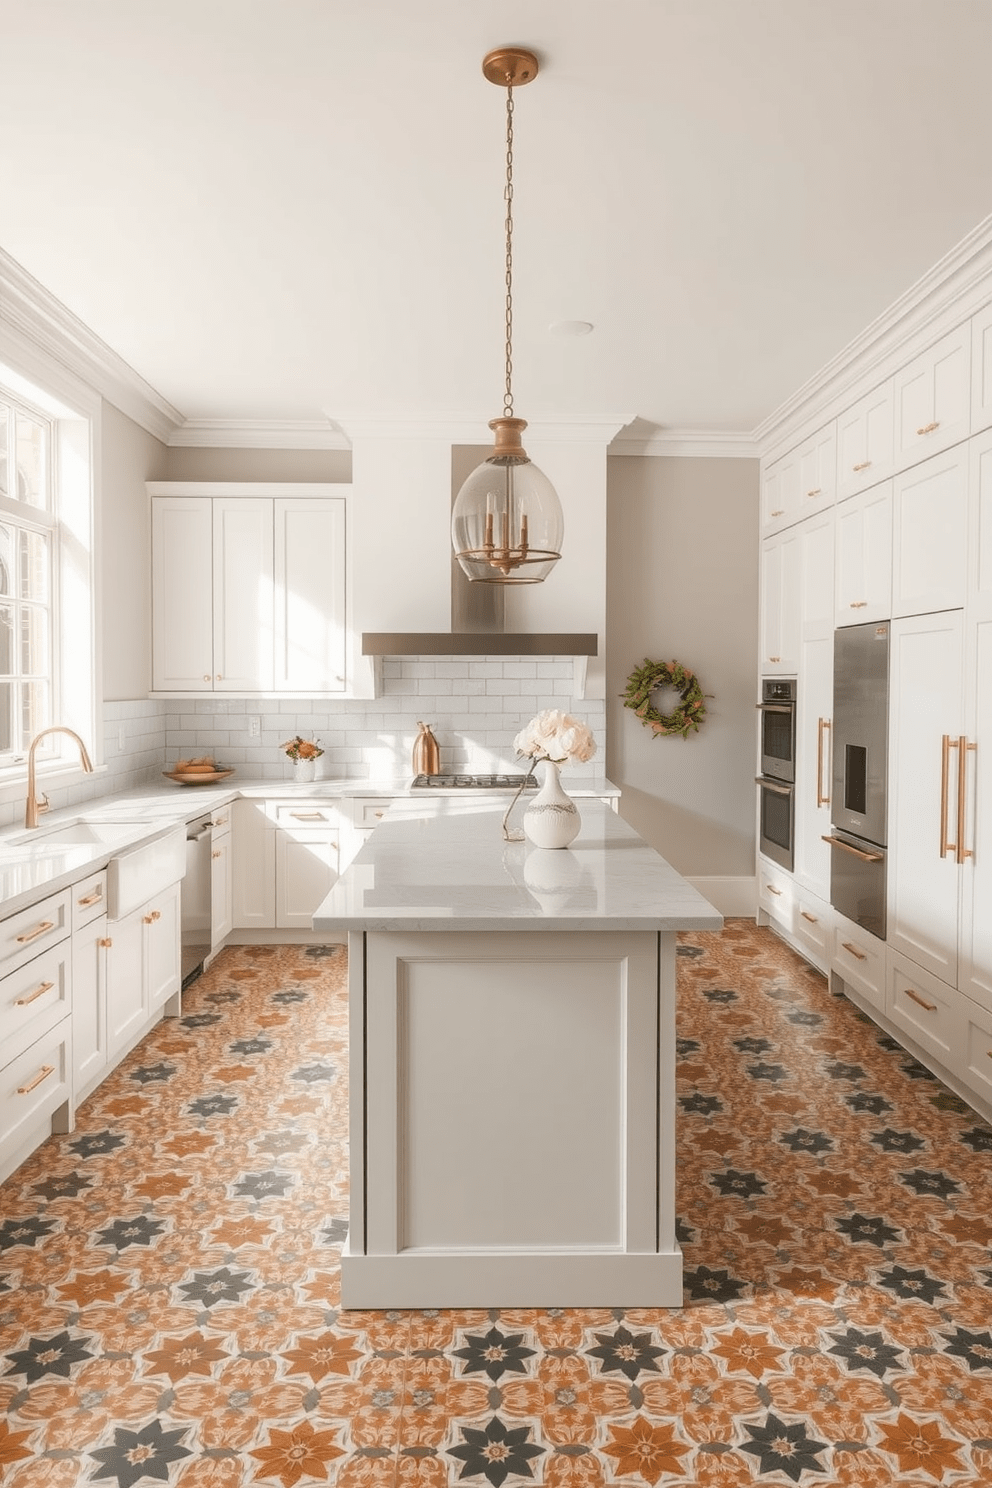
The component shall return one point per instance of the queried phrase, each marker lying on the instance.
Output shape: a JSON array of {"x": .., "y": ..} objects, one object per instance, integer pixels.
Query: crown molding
[
  {"x": 698, "y": 444},
  {"x": 231, "y": 433},
  {"x": 31, "y": 310},
  {"x": 458, "y": 429},
  {"x": 949, "y": 292}
]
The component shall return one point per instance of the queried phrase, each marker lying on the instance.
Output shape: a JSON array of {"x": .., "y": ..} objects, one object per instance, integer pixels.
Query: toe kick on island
[{"x": 512, "y": 1106}]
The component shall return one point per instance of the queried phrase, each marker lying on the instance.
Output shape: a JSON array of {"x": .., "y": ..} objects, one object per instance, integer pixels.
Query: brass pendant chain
[{"x": 508, "y": 197}]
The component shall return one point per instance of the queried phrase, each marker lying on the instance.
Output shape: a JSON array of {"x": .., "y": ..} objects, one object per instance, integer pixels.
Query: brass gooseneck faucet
[{"x": 35, "y": 807}]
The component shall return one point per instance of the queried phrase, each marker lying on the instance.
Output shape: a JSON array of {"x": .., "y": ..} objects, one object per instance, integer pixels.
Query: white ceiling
[{"x": 292, "y": 209}]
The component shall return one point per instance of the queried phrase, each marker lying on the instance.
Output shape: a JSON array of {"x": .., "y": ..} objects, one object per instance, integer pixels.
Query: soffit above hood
[{"x": 478, "y": 643}]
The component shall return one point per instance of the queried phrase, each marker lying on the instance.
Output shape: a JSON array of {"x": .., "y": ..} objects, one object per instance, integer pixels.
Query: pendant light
[{"x": 506, "y": 523}]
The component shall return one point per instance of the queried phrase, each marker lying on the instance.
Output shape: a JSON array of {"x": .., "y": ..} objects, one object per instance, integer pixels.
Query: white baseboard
[{"x": 735, "y": 898}]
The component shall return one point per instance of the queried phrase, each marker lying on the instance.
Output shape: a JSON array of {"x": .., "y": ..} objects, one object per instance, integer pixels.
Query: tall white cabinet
[
  {"x": 908, "y": 540},
  {"x": 248, "y": 588}
]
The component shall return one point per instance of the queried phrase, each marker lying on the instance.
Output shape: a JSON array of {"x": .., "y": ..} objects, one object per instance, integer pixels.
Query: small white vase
[
  {"x": 551, "y": 819},
  {"x": 304, "y": 770}
]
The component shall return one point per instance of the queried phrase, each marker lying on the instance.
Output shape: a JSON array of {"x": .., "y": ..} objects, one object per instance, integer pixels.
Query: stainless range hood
[{"x": 478, "y": 616}]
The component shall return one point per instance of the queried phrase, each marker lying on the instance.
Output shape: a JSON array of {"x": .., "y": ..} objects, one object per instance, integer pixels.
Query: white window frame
[{"x": 37, "y": 381}]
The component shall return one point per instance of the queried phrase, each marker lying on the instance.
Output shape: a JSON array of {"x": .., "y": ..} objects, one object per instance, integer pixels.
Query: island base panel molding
[
  {"x": 562, "y": 1279},
  {"x": 513, "y": 1138}
]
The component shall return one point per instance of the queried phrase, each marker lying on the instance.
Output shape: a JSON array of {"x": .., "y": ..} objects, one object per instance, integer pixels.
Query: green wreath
[{"x": 653, "y": 674}]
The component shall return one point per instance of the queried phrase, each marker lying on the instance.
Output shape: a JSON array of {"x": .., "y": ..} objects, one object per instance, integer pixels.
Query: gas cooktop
[{"x": 473, "y": 782}]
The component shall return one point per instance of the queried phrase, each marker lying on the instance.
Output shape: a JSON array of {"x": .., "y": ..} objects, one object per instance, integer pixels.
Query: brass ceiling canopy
[{"x": 506, "y": 523}]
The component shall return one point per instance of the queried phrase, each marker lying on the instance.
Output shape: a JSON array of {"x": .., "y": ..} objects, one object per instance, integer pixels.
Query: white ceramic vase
[
  {"x": 550, "y": 819},
  {"x": 304, "y": 770}
]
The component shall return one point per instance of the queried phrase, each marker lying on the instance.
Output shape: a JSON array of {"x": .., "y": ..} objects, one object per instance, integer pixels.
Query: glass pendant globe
[{"x": 507, "y": 523}]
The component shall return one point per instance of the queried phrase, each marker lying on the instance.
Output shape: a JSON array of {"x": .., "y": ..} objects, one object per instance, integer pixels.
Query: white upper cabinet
[
  {"x": 244, "y": 606},
  {"x": 933, "y": 399},
  {"x": 310, "y": 639},
  {"x": 780, "y": 494},
  {"x": 981, "y": 370},
  {"x": 182, "y": 595},
  {"x": 863, "y": 559},
  {"x": 930, "y": 534},
  {"x": 817, "y": 472},
  {"x": 865, "y": 442},
  {"x": 248, "y": 590},
  {"x": 780, "y": 616}
]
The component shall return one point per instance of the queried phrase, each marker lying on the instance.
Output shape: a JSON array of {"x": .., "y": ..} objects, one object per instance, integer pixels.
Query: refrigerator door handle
[{"x": 946, "y": 745}]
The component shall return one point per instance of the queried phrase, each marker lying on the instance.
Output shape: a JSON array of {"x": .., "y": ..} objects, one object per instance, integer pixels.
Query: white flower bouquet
[{"x": 556, "y": 736}]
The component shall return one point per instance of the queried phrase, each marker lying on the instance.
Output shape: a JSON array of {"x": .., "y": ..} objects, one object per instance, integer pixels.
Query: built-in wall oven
[
  {"x": 777, "y": 762},
  {"x": 858, "y": 801}
]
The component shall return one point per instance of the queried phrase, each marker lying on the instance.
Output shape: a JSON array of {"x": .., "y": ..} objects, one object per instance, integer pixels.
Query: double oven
[{"x": 777, "y": 781}]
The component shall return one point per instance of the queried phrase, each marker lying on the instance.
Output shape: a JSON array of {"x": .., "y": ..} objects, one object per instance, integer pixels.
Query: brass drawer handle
[
  {"x": 822, "y": 727},
  {"x": 93, "y": 898},
  {"x": 43, "y": 1074},
  {"x": 859, "y": 955},
  {"x": 379, "y": 814},
  {"x": 779, "y": 513},
  {"x": 38, "y": 930},
  {"x": 858, "y": 604},
  {"x": 772, "y": 889},
  {"x": 308, "y": 815},
  {"x": 929, "y": 428},
  {"x": 930, "y": 1007},
  {"x": 812, "y": 918},
  {"x": 863, "y": 466},
  {"x": 39, "y": 991},
  {"x": 846, "y": 846},
  {"x": 817, "y": 492},
  {"x": 774, "y": 658}
]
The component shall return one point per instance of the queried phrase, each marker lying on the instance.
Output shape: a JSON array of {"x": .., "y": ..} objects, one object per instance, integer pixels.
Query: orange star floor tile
[{"x": 169, "y": 1270}]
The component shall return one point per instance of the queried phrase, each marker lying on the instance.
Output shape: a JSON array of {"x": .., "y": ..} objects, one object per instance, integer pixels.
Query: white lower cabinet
[
  {"x": 858, "y": 958},
  {"x": 777, "y": 894},
  {"x": 285, "y": 861},
  {"x": 221, "y": 879},
  {"x": 254, "y": 865},
  {"x": 90, "y": 1041},
  {"x": 924, "y": 1007},
  {"x": 813, "y": 926},
  {"x": 143, "y": 967},
  {"x": 975, "y": 1068}
]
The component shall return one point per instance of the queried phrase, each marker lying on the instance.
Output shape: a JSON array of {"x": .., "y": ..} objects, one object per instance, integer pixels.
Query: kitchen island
[{"x": 512, "y": 1054}]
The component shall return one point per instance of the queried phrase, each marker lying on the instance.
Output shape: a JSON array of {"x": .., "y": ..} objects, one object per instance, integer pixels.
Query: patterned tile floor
[{"x": 169, "y": 1271}]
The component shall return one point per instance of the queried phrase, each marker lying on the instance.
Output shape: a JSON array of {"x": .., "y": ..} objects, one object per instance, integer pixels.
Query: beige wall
[
  {"x": 128, "y": 457},
  {"x": 195, "y": 464},
  {"x": 682, "y": 583}
]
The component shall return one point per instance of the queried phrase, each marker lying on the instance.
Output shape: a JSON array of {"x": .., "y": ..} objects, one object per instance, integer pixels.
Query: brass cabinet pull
[
  {"x": 93, "y": 898},
  {"x": 779, "y": 513},
  {"x": 822, "y": 798},
  {"x": 219, "y": 677},
  {"x": 772, "y": 889},
  {"x": 43, "y": 1074},
  {"x": 774, "y": 658},
  {"x": 38, "y": 930},
  {"x": 39, "y": 991},
  {"x": 946, "y": 745},
  {"x": 206, "y": 676},
  {"x": 846, "y": 847},
  {"x": 858, "y": 604},
  {"x": 106, "y": 941},
  {"x": 219, "y": 821},
  {"x": 817, "y": 492},
  {"x": 930, "y": 1007},
  {"x": 149, "y": 919},
  {"x": 308, "y": 815},
  {"x": 863, "y": 466},
  {"x": 217, "y": 854},
  {"x": 379, "y": 815},
  {"x": 807, "y": 916},
  {"x": 858, "y": 955},
  {"x": 929, "y": 428},
  {"x": 963, "y": 749}
]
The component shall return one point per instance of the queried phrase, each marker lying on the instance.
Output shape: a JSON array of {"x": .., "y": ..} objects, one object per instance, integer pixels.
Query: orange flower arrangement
[{"x": 299, "y": 748}]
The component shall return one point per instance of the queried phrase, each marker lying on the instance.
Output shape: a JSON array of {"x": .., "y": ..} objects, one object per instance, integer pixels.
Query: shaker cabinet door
[
  {"x": 309, "y": 595},
  {"x": 243, "y": 595},
  {"x": 182, "y": 595}
]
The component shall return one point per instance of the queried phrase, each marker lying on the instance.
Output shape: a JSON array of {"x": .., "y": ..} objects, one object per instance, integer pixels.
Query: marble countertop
[
  {"x": 30, "y": 867},
  {"x": 443, "y": 865}
]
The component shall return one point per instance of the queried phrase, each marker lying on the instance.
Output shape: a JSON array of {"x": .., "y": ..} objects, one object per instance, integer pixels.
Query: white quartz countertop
[
  {"x": 31, "y": 866},
  {"x": 443, "y": 865}
]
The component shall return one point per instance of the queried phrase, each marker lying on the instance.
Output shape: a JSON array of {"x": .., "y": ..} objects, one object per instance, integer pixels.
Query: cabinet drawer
[
  {"x": 777, "y": 894},
  {"x": 813, "y": 924},
  {"x": 925, "y": 1007},
  {"x": 34, "y": 998},
  {"x": 975, "y": 1068},
  {"x": 32, "y": 1086},
  {"x": 858, "y": 958},
  {"x": 220, "y": 820},
  {"x": 89, "y": 899},
  {"x": 23, "y": 935},
  {"x": 310, "y": 814},
  {"x": 370, "y": 813}
]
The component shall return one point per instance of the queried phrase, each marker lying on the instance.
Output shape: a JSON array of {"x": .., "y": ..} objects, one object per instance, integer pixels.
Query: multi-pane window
[{"x": 28, "y": 534}]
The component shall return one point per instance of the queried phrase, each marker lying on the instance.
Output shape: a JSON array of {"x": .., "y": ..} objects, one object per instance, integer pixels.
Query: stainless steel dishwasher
[{"x": 195, "y": 898}]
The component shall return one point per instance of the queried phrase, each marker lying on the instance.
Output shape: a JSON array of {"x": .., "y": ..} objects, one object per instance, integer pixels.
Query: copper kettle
[{"x": 426, "y": 755}]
